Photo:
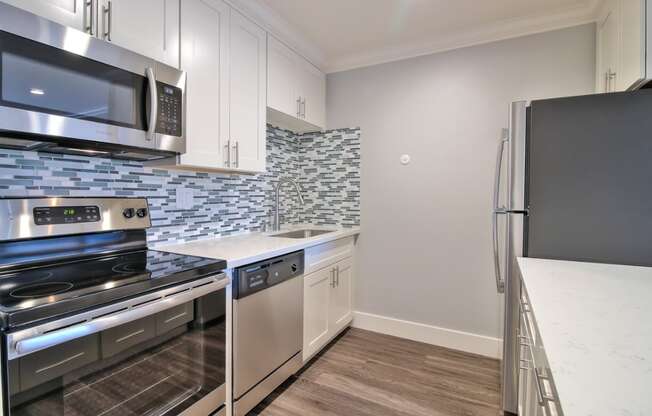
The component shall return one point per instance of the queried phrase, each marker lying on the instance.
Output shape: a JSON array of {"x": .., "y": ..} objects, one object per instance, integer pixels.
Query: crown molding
[
  {"x": 507, "y": 29},
  {"x": 279, "y": 27}
]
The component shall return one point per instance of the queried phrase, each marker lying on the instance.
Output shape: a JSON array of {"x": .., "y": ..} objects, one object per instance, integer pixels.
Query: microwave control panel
[
  {"x": 66, "y": 215},
  {"x": 169, "y": 110}
]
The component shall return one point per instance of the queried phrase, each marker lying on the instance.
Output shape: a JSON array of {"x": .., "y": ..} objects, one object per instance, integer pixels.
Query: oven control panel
[
  {"x": 170, "y": 108},
  {"x": 66, "y": 215}
]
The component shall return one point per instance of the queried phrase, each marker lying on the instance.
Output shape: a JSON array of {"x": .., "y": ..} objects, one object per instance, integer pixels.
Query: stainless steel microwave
[{"x": 64, "y": 91}]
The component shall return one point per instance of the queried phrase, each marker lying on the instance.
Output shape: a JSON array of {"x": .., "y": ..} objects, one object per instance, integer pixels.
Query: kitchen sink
[{"x": 307, "y": 233}]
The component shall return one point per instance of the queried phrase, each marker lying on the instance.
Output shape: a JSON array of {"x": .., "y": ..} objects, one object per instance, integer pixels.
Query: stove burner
[
  {"x": 129, "y": 267},
  {"x": 39, "y": 290}
]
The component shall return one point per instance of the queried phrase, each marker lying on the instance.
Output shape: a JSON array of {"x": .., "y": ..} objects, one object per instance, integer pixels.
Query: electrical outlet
[{"x": 185, "y": 198}]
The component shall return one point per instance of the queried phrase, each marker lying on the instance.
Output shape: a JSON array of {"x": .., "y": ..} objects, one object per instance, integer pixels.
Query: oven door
[
  {"x": 84, "y": 94},
  {"x": 163, "y": 356}
]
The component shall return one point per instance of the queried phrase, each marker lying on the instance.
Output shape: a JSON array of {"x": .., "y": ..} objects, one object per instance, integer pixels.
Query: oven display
[{"x": 66, "y": 215}]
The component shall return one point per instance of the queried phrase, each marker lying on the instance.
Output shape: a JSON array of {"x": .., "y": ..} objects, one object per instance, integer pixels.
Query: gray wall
[{"x": 425, "y": 250}]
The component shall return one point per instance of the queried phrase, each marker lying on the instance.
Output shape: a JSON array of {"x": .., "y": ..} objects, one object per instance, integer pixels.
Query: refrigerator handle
[{"x": 500, "y": 282}]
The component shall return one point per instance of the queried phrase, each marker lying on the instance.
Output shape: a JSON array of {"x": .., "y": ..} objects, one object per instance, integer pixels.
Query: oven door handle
[
  {"x": 30, "y": 344},
  {"x": 153, "y": 103}
]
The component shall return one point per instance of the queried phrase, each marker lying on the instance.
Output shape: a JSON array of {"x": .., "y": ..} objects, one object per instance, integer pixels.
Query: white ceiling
[{"x": 344, "y": 34}]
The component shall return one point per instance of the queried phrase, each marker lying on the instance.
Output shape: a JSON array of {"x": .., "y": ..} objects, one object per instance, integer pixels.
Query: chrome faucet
[{"x": 277, "y": 215}]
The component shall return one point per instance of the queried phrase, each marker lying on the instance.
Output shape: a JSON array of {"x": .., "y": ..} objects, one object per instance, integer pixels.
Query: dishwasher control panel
[{"x": 255, "y": 277}]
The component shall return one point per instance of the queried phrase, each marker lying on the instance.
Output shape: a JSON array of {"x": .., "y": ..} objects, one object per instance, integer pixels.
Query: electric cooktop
[{"x": 58, "y": 289}]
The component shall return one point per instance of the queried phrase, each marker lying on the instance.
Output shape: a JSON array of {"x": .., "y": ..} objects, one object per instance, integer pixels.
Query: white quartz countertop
[
  {"x": 242, "y": 249},
  {"x": 595, "y": 324}
]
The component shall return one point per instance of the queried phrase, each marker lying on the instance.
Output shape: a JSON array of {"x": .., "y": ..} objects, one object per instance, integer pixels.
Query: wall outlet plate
[{"x": 185, "y": 198}]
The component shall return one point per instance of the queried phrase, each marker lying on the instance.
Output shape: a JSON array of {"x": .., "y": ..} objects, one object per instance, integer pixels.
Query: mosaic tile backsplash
[{"x": 326, "y": 165}]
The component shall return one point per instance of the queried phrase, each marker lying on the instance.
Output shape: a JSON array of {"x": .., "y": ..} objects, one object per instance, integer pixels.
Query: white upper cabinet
[
  {"x": 296, "y": 91},
  {"x": 248, "y": 91},
  {"x": 621, "y": 46},
  {"x": 73, "y": 13},
  {"x": 204, "y": 57},
  {"x": 225, "y": 57},
  {"x": 312, "y": 89},
  {"x": 282, "y": 91},
  {"x": 147, "y": 27},
  {"x": 633, "y": 44}
]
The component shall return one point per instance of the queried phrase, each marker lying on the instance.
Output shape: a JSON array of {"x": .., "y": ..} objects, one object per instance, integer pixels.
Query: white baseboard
[{"x": 449, "y": 338}]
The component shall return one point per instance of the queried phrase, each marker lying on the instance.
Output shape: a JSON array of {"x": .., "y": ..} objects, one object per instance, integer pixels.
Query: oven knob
[
  {"x": 141, "y": 212},
  {"x": 294, "y": 267},
  {"x": 128, "y": 212}
]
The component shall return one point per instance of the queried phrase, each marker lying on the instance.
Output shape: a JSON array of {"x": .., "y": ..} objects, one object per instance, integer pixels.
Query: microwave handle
[{"x": 153, "y": 100}]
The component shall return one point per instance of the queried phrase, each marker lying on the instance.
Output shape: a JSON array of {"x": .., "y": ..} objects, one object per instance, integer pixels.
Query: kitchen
[{"x": 213, "y": 207}]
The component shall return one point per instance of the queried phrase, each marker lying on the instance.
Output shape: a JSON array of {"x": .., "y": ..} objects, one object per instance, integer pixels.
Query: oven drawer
[
  {"x": 120, "y": 338},
  {"x": 174, "y": 317},
  {"x": 42, "y": 366}
]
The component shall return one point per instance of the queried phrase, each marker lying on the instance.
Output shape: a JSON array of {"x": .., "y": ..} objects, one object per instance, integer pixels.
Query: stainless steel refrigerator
[{"x": 573, "y": 182}]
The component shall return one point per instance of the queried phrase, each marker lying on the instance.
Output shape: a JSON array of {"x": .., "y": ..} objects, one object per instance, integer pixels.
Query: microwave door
[{"x": 51, "y": 92}]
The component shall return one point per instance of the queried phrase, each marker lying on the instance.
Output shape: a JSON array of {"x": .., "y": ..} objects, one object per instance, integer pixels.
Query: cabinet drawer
[
  {"x": 42, "y": 366},
  {"x": 327, "y": 254},
  {"x": 118, "y": 339},
  {"x": 174, "y": 318}
]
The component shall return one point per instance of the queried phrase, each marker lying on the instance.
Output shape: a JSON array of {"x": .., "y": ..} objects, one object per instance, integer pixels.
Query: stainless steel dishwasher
[{"x": 267, "y": 327}]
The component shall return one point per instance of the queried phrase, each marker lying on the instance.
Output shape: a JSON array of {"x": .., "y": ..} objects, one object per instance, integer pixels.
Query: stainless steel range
[{"x": 95, "y": 323}]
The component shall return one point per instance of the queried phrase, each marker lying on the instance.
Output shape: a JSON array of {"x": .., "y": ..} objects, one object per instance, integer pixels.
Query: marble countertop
[
  {"x": 246, "y": 248},
  {"x": 594, "y": 320}
]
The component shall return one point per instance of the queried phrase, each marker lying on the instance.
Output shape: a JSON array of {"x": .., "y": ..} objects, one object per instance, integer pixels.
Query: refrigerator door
[
  {"x": 589, "y": 173},
  {"x": 515, "y": 218}
]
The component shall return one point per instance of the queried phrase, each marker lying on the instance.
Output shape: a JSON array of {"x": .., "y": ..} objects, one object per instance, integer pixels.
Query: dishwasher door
[{"x": 267, "y": 332}]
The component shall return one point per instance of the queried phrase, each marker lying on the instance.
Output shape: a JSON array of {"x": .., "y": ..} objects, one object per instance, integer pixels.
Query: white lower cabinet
[
  {"x": 537, "y": 395},
  {"x": 340, "y": 301},
  {"x": 327, "y": 300},
  {"x": 316, "y": 300}
]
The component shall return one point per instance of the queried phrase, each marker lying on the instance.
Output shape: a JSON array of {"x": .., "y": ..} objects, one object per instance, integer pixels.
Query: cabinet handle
[
  {"x": 303, "y": 106},
  {"x": 227, "y": 149},
  {"x": 131, "y": 335},
  {"x": 333, "y": 277},
  {"x": 236, "y": 154},
  {"x": 299, "y": 107},
  {"x": 337, "y": 272},
  {"x": 543, "y": 396},
  {"x": 612, "y": 76},
  {"x": 62, "y": 362},
  {"x": 89, "y": 10},
  {"x": 108, "y": 12}
]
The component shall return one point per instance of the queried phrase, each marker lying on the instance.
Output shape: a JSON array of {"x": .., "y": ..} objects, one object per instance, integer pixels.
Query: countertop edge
[{"x": 292, "y": 245}]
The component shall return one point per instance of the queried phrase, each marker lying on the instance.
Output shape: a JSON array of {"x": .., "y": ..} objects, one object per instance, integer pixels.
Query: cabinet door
[
  {"x": 204, "y": 56},
  {"x": 282, "y": 93},
  {"x": 316, "y": 297},
  {"x": 147, "y": 27},
  {"x": 71, "y": 13},
  {"x": 608, "y": 36},
  {"x": 632, "y": 44},
  {"x": 248, "y": 60},
  {"x": 313, "y": 93},
  {"x": 340, "y": 305}
]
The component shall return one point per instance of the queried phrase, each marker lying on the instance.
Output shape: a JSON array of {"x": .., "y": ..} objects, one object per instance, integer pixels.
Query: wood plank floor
[{"x": 368, "y": 374}]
